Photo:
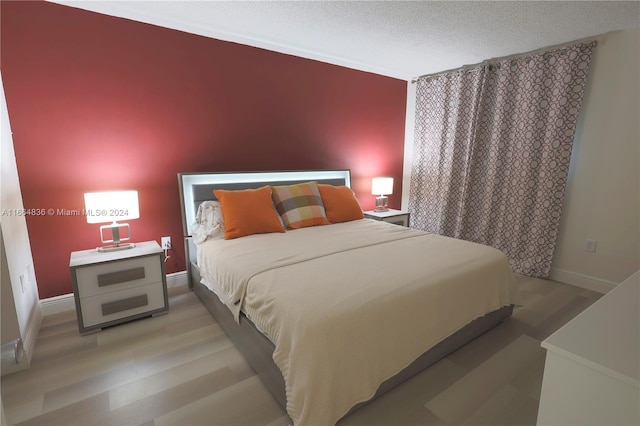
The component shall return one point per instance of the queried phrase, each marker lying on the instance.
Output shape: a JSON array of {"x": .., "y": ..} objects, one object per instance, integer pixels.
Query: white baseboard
[
  {"x": 582, "y": 281},
  {"x": 66, "y": 302},
  {"x": 28, "y": 342},
  {"x": 57, "y": 304},
  {"x": 177, "y": 279},
  {"x": 32, "y": 332}
]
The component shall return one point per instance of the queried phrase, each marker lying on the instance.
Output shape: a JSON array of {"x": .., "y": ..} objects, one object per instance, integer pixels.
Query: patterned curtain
[{"x": 492, "y": 149}]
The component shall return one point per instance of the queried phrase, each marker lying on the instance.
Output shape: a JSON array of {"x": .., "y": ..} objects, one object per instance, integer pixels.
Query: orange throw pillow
[
  {"x": 340, "y": 203},
  {"x": 248, "y": 212}
]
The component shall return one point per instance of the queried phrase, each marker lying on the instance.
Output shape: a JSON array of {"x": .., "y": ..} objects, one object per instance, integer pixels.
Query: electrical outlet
[
  {"x": 590, "y": 246},
  {"x": 166, "y": 243}
]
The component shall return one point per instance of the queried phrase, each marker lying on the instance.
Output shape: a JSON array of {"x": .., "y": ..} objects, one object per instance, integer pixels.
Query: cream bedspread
[{"x": 350, "y": 305}]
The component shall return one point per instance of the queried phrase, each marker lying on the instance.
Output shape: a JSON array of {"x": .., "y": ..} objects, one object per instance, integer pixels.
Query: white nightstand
[
  {"x": 397, "y": 217},
  {"x": 114, "y": 287}
]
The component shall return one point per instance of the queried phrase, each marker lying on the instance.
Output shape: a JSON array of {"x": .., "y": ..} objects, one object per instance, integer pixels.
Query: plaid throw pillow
[{"x": 299, "y": 205}]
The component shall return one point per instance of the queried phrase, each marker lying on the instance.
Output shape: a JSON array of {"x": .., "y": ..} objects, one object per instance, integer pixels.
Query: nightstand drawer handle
[
  {"x": 124, "y": 304},
  {"x": 120, "y": 276}
]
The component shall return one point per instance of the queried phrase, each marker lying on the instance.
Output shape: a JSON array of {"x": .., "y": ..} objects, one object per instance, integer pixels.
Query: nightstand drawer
[
  {"x": 113, "y": 306},
  {"x": 108, "y": 277}
]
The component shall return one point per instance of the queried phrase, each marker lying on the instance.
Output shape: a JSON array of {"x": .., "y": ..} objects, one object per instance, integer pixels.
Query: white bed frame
[{"x": 255, "y": 347}]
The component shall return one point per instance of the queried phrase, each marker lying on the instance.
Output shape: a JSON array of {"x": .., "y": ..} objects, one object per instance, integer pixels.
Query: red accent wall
[{"x": 104, "y": 103}]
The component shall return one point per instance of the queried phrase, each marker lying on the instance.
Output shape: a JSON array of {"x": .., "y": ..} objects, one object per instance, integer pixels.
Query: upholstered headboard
[{"x": 198, "y": 187}]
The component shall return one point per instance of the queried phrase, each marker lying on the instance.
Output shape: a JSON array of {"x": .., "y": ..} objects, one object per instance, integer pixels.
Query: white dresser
[
  {"x": 118, "y": 286},
  {"x": 592, "y": 369}
]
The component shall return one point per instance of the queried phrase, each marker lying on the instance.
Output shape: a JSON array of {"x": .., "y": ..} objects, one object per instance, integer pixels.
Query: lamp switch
[
  {"x": 166, "y": 243},
  {"x": 590, "y": 246}
]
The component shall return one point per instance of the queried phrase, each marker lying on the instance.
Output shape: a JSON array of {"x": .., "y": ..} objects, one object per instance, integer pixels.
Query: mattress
[{"x": 350, "y": 305}]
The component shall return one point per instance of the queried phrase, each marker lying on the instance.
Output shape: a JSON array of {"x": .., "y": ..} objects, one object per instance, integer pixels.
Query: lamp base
[
  {"x": 116, "y": 239},
  {"x": 381, "y": 204},
  {"x": 106, "y": 249}
]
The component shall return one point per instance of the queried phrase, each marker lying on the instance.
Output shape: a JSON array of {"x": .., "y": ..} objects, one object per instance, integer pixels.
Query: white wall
[
  {"x": 602, "y": 200},
  {"x": 409, "y": 132},
  {"x": 19, "y": 262},
  {"x": 9, "y": 323}
]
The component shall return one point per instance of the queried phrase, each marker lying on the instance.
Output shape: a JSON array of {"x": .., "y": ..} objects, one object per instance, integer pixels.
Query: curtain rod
[{"x": 593, "y": 39}]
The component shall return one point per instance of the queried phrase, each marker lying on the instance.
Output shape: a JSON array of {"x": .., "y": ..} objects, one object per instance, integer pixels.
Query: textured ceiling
[{"x": 393, "y": 38}]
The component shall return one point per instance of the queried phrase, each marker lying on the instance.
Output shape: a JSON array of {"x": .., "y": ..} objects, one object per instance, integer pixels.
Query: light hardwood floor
[{"x": 180, "y": 369}]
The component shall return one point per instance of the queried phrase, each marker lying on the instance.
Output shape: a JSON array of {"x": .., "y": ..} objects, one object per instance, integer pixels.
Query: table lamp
[
  {"x": 112, "y": 206},
  {"x": 382, "y": 186}
]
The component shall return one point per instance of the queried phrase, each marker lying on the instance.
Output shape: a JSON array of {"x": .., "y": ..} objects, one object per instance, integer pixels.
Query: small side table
[
  {"x": 119, "y": 286},
  {"x": 397, "y": 217}
]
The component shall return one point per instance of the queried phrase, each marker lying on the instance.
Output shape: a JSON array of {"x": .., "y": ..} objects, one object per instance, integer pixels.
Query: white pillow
[{"x": 209, "y": 223}]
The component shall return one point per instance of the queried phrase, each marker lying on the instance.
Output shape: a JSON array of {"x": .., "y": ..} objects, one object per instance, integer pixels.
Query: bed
[{"x": 332, "y": 316}]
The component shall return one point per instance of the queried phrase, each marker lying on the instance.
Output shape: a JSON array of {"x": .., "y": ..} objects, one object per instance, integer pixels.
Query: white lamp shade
[
  {"x": 101, "y": 207},
  {"x": 382, "y": 186}
]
